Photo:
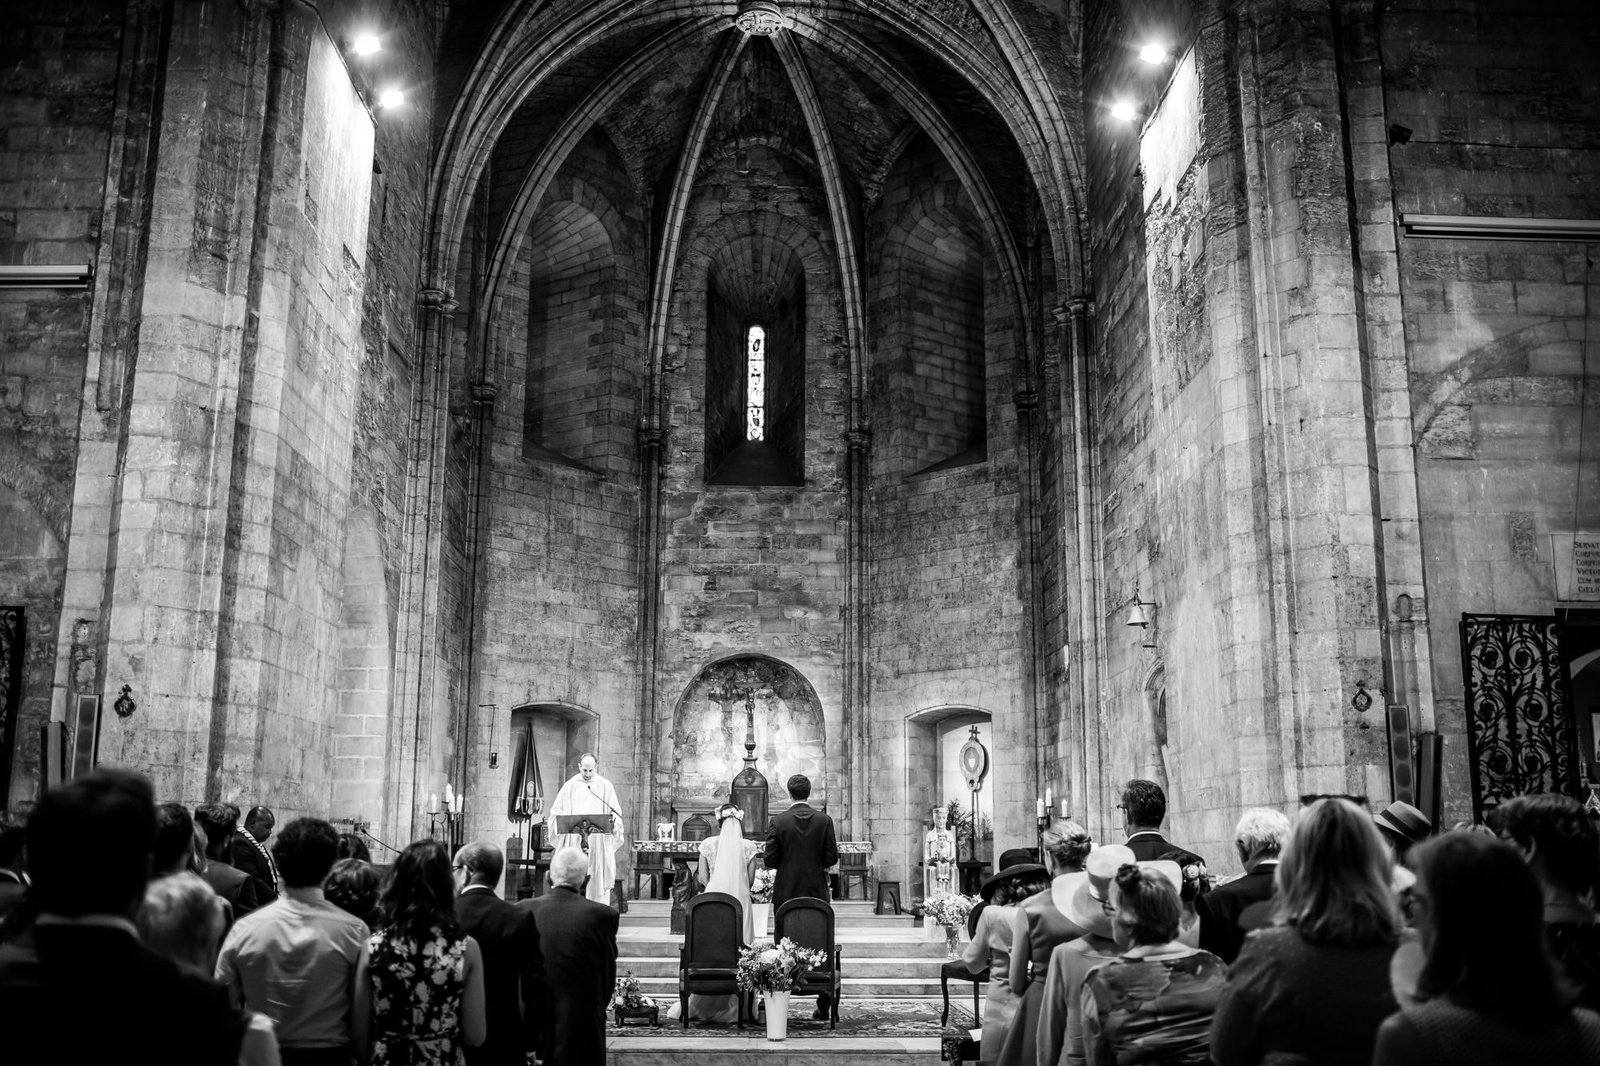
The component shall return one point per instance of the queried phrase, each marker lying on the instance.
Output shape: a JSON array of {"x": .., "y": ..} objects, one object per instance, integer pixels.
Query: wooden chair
[
  {"x": 809, "y": 923},
  {"x": 957, "y": 969},
  {"x": 713, "y": 936},
  {"x": 651, "y": 865}
]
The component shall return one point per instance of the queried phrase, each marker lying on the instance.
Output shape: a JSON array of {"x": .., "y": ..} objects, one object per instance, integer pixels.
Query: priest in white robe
[{"x": 589, "y": 793}]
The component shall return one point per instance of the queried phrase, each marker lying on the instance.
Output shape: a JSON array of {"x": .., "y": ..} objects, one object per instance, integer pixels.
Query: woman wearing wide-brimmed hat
[
  {"x": 1086, "y": 899},
  {"x": 990, "y": 946},
  {"x": 1038, "y": 926}
]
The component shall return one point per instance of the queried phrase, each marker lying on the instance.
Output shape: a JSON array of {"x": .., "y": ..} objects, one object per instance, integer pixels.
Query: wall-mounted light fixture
[
  {"x": 46, "y": 276},
  {"x": 366, "y": 44},
  {"x": 1124, "y": 111},
  {"x": 1153, "y": 53},
  {"x": 1137, "y": 618},
  {"x": 391, "y": 98}
]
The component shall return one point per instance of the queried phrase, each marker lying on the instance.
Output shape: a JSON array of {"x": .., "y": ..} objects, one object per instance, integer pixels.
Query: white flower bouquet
[{"x": 768, "y": 967}]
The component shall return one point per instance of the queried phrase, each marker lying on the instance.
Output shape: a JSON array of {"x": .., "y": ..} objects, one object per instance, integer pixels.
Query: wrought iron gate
[{"x": 1521, "y": 736}]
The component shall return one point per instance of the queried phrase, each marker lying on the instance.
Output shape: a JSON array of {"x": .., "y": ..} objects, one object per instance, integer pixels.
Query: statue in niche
[{"x": 938, "y": 858}]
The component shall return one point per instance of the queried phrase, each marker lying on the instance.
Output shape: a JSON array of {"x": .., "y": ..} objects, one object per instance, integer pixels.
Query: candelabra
[{"x": 447, "y": 817}]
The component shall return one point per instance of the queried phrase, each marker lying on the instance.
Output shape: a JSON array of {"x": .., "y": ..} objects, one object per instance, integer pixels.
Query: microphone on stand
[{"x": 603, "y": 803}]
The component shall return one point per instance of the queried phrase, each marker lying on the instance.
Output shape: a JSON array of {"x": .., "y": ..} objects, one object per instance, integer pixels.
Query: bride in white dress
[{"x": 725, "y": 861}]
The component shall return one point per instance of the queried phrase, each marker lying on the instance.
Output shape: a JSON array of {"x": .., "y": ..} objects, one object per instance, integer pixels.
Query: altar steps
[
  {"x": 690, "y": 1050},
  {"x": 885, "y": 956}
]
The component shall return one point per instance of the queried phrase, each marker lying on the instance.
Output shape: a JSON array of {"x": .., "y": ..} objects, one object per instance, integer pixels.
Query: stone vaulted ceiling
[{"x": 840, "y": 88}]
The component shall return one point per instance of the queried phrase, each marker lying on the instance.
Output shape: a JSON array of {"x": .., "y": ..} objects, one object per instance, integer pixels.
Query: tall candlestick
[
  {"x": 461, "y": 801},
  {"x": 1038, "y": 808},
  {"x": 1049, "y": 800},
  {"x": 433, "y": 803}
]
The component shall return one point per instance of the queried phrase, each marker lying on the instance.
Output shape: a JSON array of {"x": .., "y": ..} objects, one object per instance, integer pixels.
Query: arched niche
[
  {"x": 561, "y": 734},
  {"x": 708, "y": 731},
  {"x": 933, "y": 772}
]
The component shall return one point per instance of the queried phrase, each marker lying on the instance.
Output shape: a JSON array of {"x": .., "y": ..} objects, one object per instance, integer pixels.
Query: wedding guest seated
[
  {"x": 83, "y": 989},
  {"x": 295, "y": 959},
  {"x": 1036, "y": 928},
  {"x": 1315, "y": 984},
  {"x": 1086, "y": 899},
  {"x": 419, "y": 988},
  {"x": 1490, "y": 992},
  {"x": 990, "y": 946},
  {"x": 1153, "y": 1002},
  {"x": 1258, "y": 838},
  {"x": 184, "y": 919},
  {"x": 219, "y": 824},
  {"x": 1558, "y": 840},
  {"x": 354, "y": 886}
]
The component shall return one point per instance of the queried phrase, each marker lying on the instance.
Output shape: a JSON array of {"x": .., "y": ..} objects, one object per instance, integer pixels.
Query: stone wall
[
  {"x": 56, "y": 101},
  {"x": 1504, "y": 118}
]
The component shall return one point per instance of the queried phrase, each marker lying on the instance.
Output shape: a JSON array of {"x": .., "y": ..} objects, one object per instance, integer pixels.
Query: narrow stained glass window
[{"x": 755, "y": 406}]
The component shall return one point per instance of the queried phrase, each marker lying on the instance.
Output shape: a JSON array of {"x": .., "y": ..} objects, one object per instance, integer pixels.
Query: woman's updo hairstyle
[
  {"x": 1147, "y": 905},
  {"x": 1068, "y": 844}
]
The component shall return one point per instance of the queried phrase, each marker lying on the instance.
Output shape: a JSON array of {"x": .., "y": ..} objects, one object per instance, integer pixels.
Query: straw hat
[
  {"x": 1404, "y": 821},
  {"x": 1081, "y": 895}
]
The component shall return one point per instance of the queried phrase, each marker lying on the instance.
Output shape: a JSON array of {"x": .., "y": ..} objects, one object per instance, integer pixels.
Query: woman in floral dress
[{"x": 419, "y": 992}]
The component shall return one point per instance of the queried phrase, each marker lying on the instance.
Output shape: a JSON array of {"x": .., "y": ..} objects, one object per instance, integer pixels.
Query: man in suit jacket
[
  {"x": 578, "y": 941},
  {"x": 219, "y": 825},
  {"x": 513, "y": 969},
  {"x": 800, "y": 848},
  {"x": 1259, "y": 838},
  {"x": 250, "y": 854},
  {"x": 84, "y": 989},
  {"x": 1144, "y": 808}
]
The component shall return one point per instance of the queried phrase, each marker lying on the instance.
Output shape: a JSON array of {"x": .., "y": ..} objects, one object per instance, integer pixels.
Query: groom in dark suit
[{"x": 800, "y": 848}]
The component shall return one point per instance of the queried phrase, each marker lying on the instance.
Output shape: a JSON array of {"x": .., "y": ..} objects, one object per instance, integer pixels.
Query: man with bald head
[
  {"x": 251, "y": 855},
  {"x": 513, "y": 971}
]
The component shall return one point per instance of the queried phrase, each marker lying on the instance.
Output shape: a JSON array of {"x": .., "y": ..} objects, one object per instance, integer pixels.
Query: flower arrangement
[
  {"x": 627, "y": 995},
  {"x": 950, "y": 911},
  {"x": 768, "y": 967},
  {"x": 1196, "y": 881},
  {"x": 761, "y": 885}
]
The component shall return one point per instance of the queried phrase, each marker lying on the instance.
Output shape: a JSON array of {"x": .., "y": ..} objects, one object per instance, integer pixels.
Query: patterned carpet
[{"x": 857, "y": 1018}]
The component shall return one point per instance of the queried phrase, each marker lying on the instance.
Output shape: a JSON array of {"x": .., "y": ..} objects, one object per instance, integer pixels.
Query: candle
[
  {"x": 1038, "y": 808},
  {"x": 449, "y": 797},
  {"x": 1063, "y": 806},
  {"x": 461, "y": 801},
  {"x": 433, "y": 803},
  {"x": 1049, "y": 800}
]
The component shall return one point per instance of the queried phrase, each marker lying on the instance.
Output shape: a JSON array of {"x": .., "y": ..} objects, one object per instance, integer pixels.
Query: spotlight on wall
[
  {"x": 1154, "y": 54},
  {"x": 1124, "y": 111},
  {"x": 366, "y": 44},
  {"x": 391, "y": 98}
]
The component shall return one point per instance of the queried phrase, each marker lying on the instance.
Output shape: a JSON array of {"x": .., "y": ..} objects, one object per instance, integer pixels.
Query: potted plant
[
  {"x": 761, "y": 900},
  {"x": 950, "y": 912},
  {"x": 630, "y": 1005},
  {"x": 773, "y": 970}
]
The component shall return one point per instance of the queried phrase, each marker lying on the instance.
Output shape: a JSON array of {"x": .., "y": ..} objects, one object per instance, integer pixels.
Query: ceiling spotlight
[
  {"x": 391, "y": 98},
  {"x": 366, "y": 44},
  {"x": 1123, "y": 111},
  {"x": 1154, "y": 54}
]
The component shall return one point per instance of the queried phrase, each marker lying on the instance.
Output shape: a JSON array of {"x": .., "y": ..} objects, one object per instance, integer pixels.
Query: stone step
[
  {"x": 856, "y": 944},
  {"x": 755, "y": 1050},
  {"x": 643, "y": 966},
  {"x": 665, "y": 989},
  {"x": 663, "y": 907}
]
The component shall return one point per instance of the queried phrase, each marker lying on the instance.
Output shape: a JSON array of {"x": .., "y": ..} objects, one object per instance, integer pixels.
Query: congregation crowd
[
  {"x": 1350, "y": 938},
  {"x": 138, "y": 932}
]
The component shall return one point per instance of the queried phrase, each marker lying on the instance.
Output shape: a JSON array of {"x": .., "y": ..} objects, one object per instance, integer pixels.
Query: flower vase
[
  {"x": 760, "y": 915},
  {"x": 777, "y": 1005},
  {"x": 952, "y": 942}
]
